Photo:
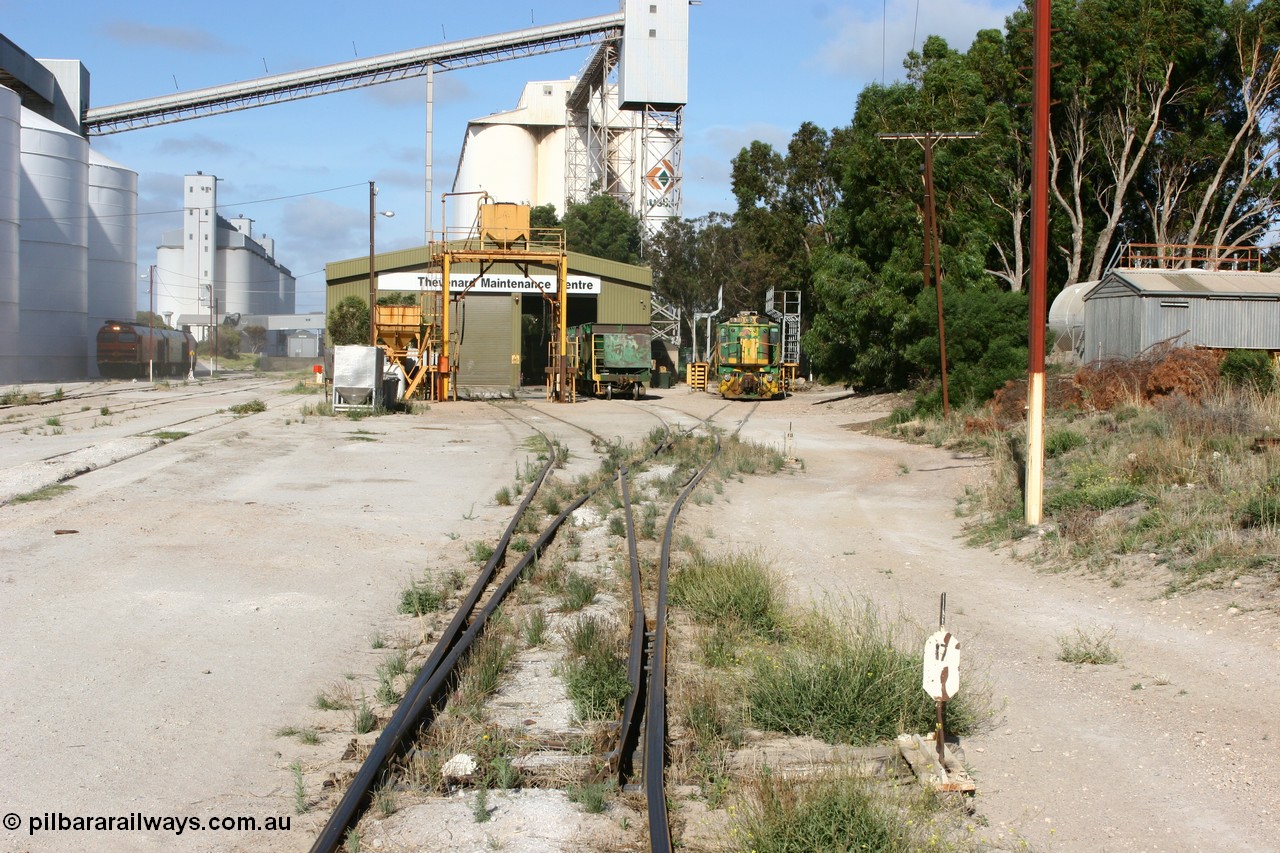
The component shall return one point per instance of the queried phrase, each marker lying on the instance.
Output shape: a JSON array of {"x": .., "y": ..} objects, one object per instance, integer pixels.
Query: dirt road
[{"x": 218, "y": 583}]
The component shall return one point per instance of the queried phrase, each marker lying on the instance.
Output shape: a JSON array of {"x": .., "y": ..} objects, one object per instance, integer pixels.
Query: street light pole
[
  {"x": 373, "y": 287},
  {"x": 212, "y": 338},
  {"x": 151, "y": 323}
]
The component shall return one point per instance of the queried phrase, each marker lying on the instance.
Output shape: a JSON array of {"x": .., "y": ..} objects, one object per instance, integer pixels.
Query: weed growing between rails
[
  {"x": 751, "y": 668},
  {"x": 1161, "y": 463}
]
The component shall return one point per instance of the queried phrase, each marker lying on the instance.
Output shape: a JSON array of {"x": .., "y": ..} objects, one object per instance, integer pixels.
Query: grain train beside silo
[
  {"x": 132, "y": 350},
  {"x": 747, "y": 362}
]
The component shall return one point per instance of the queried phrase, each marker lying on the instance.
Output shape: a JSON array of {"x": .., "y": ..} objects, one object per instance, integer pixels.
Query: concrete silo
[
  {"x": 9, "y": 292},
  {"x": 53, "y": 250},
  {"x": 113, "y": 234}
]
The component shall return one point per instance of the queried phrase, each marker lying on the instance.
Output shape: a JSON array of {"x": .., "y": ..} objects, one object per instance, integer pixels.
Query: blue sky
[{"x": 757, "y": 70}]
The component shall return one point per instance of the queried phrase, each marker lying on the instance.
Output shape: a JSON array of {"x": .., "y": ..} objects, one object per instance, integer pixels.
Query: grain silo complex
[{"x": 67, "y": 239}]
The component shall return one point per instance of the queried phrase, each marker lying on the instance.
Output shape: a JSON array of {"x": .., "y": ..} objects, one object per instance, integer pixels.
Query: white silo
[
  {"x": 238, "y": 270},
  {"x": 113, "y": 240},
  {"x": 500, "y": 159},
  {"x": 10, "y": 141},
  {"x": 53, "y": 251}
]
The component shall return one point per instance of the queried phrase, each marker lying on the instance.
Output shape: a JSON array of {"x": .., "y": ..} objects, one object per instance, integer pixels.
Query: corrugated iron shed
[{"x": 1130, "y": 311}]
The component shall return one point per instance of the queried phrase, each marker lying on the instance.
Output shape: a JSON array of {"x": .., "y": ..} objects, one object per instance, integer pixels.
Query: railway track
[
  {"x": 638, "y": 748},
  {"x": 69, "y": 409},
  {"x": 98, "y": 449}
]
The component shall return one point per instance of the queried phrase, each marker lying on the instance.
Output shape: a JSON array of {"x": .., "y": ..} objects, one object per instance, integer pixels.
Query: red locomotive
[{"x": 123, "y": 350}]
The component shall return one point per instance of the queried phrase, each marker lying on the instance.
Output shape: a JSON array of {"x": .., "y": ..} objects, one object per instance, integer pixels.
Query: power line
[{"x": 182, "y": 209}]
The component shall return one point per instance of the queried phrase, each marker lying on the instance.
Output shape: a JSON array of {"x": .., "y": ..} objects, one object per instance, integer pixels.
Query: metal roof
[
  {"x": 1193, "y": 282},
  {"x": 418, "y": 258}
]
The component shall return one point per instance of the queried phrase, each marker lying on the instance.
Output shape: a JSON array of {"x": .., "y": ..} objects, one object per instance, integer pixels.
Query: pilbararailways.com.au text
[{"x": 139, "y": 822}]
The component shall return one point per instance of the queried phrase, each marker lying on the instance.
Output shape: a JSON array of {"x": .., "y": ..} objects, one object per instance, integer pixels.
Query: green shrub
[
  {"x": 1261, "y": 510},
  {"x": 839, "y": 813},
  {"x": 418, "y": 598},
  {"x": 1091, "y": 647},
  {"x": 1061, "y": 441},
  {"x": 591, "y": 795},
  {"x": 250, "y": 408},
  {"x": 738, "y": 588},
  {"x": 579, "y": 591},
  {"x": 617, "y": 525},
  {"x": 1248, "y": 368},
  {"x": 595, "y": 670},
  {"x": 849, "y": 684}
]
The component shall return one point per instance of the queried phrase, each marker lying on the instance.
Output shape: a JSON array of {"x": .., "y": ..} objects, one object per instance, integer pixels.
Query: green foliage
[
  {"x": 1092, "y": 486},
  {"x": 45, "y": 493},
  {"x": 848, "y": 683},
  {"x": 419, "y": 598},
  {"x": 1060, "y": 441},
  {"x": 603, "y": 228},
  {"x": 155, "y": 321},
  {"x": 986, "y": 332},
  {"x": 399, "y": 298},
  {"x": 251, "y": 407},
  {"x": 579, "y": 591},
  {"x": 1093, "y": 646},
  {"x": 543, "y": 216},
  {"x": 595, "y": 670},
  {"x": 348, "y": 322},
  {"x": 255, "y": 338},
  {"x": 1244, "y": 368},
  {"x": 591, "y": 796},
  {"x": 1262, "y": 509},
  {"x": 737, "y": 589},
  {"x": 842, "y": 813}
]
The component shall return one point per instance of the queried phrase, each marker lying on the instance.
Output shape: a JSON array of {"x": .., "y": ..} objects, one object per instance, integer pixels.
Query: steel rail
[
  {"x": 421, "y": 695},
  {"x": 655, "y": 733},
  {"x": 629, "y": 729}
]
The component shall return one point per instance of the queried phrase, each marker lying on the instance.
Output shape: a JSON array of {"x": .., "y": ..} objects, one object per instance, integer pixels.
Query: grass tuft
[
  {"x": 854, "y": 681},
  {"x": 1093, "y": 646},
  {"x": 595, "y": 669}
]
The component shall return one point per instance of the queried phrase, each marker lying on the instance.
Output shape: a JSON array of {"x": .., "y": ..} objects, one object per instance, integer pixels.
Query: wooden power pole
[{"x": 932, "y": 243}]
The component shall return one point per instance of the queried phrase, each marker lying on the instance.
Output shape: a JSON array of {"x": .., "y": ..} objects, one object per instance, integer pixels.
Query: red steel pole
[{"x": 1039, "y": 260}]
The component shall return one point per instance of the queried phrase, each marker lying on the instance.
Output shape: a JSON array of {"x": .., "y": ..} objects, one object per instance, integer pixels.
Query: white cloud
[
  {"x": 185, "y": 39},
  {"x": 867, "y": 43}
]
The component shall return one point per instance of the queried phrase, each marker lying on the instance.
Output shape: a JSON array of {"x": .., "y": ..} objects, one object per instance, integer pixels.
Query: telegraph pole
[
  {"x": 1039, "y": 259},
  {"x": 932, "y": 243}
]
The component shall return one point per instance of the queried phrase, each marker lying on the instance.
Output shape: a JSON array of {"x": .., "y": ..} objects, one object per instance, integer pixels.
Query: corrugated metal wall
[
  {"x": 489, "y": 327},
  {"x": 621, "y": 303},
  {"x": 1236, "y": 323},
  {"x": 1120, "y": 323},
  {"x": 1113, "y": 326}
]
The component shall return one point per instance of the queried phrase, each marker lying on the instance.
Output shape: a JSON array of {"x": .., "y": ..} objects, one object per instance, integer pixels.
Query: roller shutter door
[{"x": 488, "y": 327}]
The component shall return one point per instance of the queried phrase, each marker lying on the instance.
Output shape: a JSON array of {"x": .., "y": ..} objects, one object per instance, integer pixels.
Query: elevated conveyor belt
[{"x": 352, "y": 75}]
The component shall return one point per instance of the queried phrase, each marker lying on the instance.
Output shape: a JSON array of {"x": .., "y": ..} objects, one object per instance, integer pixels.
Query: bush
[
  {"x": 1248, "y": 368},
  {"x": 595, "y": 672},
  {"x": 838, "y": 813},
  {"x": 1062, "y": 441},
  {"x": 849, "y": 684},
  {"x": 738, "y": 588},
  {"x": 417, "y": 599}
]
